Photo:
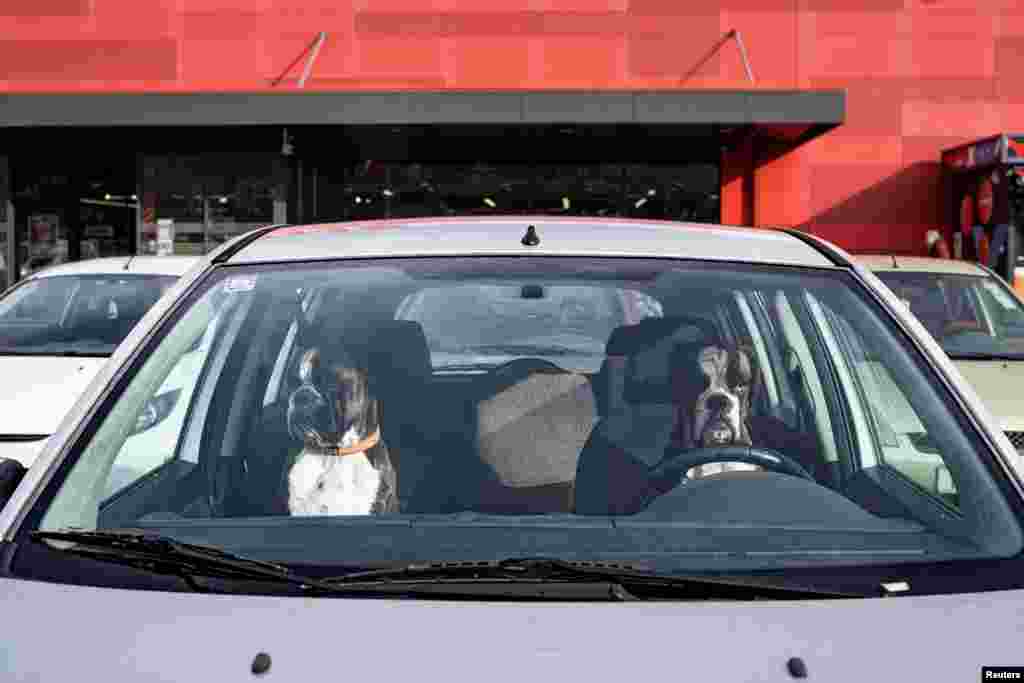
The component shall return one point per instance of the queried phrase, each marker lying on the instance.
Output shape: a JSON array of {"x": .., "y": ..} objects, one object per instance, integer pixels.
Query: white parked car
[
  {"x": 58, "y": 327},
  {"x": 977, "y": 320},
  {"x": 741, "y": 432}
]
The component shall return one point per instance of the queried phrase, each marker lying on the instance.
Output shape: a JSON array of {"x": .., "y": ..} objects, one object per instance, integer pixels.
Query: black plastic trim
[
  {"x": 832, "y": 255},
  {"x": 244, "y": 241}
]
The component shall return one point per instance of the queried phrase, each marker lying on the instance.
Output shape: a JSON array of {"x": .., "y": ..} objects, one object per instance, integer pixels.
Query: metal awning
[{"x": 817, "y": 109}]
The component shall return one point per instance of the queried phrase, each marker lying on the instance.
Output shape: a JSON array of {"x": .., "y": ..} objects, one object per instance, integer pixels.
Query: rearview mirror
[
  {"x": 11, "y": 474},
  {"x": 532, "y": 292}
]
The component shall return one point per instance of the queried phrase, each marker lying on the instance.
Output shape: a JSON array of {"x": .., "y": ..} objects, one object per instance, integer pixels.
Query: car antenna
[
  {"x": 129, "y": 261},
  {"x": 530, "y": 239}
]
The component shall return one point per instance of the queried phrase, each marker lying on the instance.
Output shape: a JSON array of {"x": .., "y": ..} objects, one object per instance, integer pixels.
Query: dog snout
[{"x": 719, "y": 403}]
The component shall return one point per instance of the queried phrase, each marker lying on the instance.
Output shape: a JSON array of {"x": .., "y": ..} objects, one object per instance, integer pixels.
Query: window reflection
[
  {"x": 210, "y": 197},
  {"x": 402, "y": 189}
]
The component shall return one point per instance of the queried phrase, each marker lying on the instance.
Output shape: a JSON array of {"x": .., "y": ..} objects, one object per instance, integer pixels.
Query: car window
[
  {"x": 76, "y": 314},
  {"x": 159, "y": 426},
  {"x": 892, "y": 430},
  {"x": 755, "y": 417},
  {"x": 968, "y": 315}
]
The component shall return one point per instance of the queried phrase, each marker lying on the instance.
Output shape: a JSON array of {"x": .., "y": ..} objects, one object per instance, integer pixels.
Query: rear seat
[{"x": 530, "y": 430}]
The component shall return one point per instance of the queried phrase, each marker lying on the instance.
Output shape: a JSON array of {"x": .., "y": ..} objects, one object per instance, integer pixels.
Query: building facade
[{"x": 207, "y": 117}]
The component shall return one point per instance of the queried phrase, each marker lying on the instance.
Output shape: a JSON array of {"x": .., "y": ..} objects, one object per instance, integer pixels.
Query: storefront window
[
  {"x": 370, "y": 190},
  {"x": 210, "y": 198}
]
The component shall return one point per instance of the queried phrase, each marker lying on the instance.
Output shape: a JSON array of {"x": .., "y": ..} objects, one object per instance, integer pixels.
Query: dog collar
[{"x": 359, "y": 446}]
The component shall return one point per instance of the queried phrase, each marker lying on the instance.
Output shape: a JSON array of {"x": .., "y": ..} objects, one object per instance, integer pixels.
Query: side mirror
[{"x": 11, "y": 474}]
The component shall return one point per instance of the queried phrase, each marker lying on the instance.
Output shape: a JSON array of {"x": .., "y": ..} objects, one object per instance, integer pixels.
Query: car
[
  {"x": 977, "y": 319},
  {"x": 58, "y": 327},
  {"x": 462, "y": 446}
]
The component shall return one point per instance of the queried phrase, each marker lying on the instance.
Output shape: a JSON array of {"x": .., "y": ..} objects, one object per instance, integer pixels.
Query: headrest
[
  {"x": 629, "y": 340},
  {"x": 131, "y": 302},
  {"x": 398, "y": 348},
  {"x": 646, "y": 353},
  {"x": 329, "y": 332}
]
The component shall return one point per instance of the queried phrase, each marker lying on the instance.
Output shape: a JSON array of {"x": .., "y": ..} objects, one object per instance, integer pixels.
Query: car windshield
[
  {"x": 971, "y": 316},
  {"x": 86, "y": 315},
  {"x": 693, "y": 415}
]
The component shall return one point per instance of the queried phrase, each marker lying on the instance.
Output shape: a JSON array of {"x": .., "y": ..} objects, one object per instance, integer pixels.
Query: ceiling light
[{"x": 490, "y": 202}]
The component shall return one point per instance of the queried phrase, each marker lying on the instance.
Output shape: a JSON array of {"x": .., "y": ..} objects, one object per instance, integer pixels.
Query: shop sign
[
  {"x": 983, "y": 153},
  {"x": 99, "y": 231},
  {"x": 43, "y": 228},
  {"x": 1015, "y": 148},
  {"x": 165, "y": 237}
]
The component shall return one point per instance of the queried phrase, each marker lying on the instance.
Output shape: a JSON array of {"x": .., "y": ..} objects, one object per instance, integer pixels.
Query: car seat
[
  {"x": 427, "y": 440},
  {"x": 647, "y": 416},
  {"x": 929, "y": 306},
  {"x": 640, "y": 405},
  {"x": 270, "y": 448},
  {"x": 531, "y": 425}
]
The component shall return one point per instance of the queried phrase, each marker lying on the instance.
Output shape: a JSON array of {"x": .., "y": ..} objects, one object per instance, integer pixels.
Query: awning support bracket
[
  {"x": 313, "y": 49},
  {"x": 718, "y": 46}
]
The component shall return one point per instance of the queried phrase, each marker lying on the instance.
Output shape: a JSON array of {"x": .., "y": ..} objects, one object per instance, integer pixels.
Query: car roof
[
  {"x": 119, "y": 265},
  {"x": 919, "y": 264},
  {"x": 502, "y": 235}
]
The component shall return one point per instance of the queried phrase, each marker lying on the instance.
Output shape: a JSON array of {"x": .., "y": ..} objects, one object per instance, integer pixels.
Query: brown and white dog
[
  {"x": 722, "y": 410},
  {"x": 344, "y": 467}
]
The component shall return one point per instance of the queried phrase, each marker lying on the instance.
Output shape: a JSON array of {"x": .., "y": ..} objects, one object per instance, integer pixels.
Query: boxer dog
[
  {"x": 722, "y": 409},
  {"x": 344, "y": 467}
]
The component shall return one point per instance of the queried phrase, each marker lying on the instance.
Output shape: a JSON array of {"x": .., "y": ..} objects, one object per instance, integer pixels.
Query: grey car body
[{"x": 54, "y": 629}]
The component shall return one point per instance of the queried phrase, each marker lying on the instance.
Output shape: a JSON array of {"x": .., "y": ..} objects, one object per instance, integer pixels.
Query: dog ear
[
  {"x": 309, "y": 366},
  {"x": 741, "y": 368},
  {"x": 714, "y": 363}
]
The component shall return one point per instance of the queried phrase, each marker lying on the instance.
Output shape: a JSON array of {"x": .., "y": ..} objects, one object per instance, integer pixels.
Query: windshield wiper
[
  {"x": 625, "y": 582},
  {"x": 968, "y": 355},
  {"x": 62, "y": 354},
  {"x": 168, "y": 556},
  {"x": 164, "y": 555}
]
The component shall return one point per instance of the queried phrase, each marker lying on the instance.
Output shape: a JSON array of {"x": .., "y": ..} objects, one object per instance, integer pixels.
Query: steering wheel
[
  {"x": 957, "y": 328},
  {"x": 679, "y": 461},
  {"x": 525, "y": 366}
]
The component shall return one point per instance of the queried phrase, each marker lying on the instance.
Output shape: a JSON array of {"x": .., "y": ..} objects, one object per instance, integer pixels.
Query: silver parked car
[
  {"x": 461, "y": 447},
  {"x": 976, "y": 318}
]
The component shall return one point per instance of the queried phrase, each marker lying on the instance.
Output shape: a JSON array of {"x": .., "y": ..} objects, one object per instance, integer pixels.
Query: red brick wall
[{"x": 920, "y": 74}]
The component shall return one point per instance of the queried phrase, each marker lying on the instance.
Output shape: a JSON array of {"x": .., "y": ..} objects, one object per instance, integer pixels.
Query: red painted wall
[{"x": 920, "y": 75}]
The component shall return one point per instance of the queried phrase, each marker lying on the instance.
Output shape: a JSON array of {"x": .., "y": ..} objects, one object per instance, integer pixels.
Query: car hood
[
  {"x": 38, "y": 391},
  {"x": 186, "y": 637},
  {"x": 1000, "y": 386}
]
